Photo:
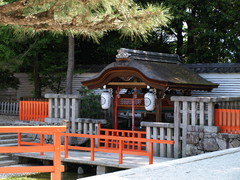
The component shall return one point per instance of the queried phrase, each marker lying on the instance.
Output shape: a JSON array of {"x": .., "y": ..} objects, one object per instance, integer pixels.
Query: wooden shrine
[{"x": 136, "y": 72}]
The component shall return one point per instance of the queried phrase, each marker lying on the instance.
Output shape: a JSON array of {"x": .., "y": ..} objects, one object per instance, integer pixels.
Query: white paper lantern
[
  {"x": 149, "y": 101},
  {"x": 106, "y": 100}
]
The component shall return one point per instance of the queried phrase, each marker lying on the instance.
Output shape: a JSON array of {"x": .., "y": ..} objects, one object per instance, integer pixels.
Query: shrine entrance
[
  {"x": 139, "y": 86},
  {"x": 130, "y": 111}
]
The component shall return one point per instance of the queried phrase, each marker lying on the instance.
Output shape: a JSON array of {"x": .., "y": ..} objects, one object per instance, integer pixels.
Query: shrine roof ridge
[{"x": 148, "y": 56}]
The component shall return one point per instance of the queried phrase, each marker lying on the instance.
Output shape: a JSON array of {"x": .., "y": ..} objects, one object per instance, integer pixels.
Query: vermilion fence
[
  {"x": 120, "y": 148},
  {"x": 33, "y": 110},
  {"x": 127, "y": 145},
  {"x": 228, "y": 120},
  {"x": 56, "y": 148}
]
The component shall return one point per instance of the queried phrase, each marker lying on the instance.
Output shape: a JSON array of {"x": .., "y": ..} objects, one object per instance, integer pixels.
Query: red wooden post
[
  {"x": 56, "y": 175},
  {"x": 92, "y": 149},
  {"x": 66, "y": 146},
  {"x": 116, "y": 109},
  {"x": 41, "y": 142},
  {"x": 238, "y": 122},
  {"x": 224, "y": 117},
  {"x": 120, "y": 157},
  {"x": 151, "y": 153},
  {"x": 133, "y": 109},
  {"x": 228, "y": 128}
]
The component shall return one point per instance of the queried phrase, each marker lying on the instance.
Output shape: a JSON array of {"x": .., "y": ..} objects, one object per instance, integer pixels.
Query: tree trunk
[
  {"x": 36, "y": 77},
  {"x": 70, "y": 68},
  {"x": 191, "y": 37},
  {"x": 180, "y": 38}
]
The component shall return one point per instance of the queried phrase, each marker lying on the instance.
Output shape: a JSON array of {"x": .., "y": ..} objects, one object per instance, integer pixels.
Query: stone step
[
  {"x": 11, "y": 136},
  {"x": 4, "y": 158},
  {"x": 7, "y": 163},
  {"x": 8, "y": 136},
  {"x": 7, "y": 145},
  {"x": 12, "y": 141}
]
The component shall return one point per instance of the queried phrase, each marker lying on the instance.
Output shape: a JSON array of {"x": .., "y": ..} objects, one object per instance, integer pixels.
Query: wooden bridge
[{"x": 110, "y": 150}]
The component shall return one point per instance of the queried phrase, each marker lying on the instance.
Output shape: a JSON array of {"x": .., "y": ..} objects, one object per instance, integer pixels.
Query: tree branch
[{"x": 13, "y": 6}]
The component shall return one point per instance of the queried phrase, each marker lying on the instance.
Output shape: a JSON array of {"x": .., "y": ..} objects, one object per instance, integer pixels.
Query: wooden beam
[
  {"x": 126, "y": 83},
  {"x": 158, "y": 110}
]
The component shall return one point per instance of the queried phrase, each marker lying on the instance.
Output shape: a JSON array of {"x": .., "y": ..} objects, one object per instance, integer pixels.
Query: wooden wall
[
  {"x": 229, "y": 84},
  {"x": 26, "y": 87}
]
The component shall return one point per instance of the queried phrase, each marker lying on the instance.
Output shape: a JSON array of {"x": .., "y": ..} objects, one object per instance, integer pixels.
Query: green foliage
[
  {"x": 8, "y": 80},
  {"x": 210, "y": 29},
  {"x": 90, "y": 106},
  {"x": 9, "y": 49},
  {"x": 91, "y": 19}
]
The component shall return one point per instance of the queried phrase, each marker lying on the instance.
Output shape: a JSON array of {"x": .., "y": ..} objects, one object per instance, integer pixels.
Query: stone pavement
[{"x": 220, "y": 165}]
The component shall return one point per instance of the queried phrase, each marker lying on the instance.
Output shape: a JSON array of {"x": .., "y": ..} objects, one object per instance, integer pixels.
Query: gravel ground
[
  {"x": 11, "y": 120},
  {"x": 8, "y": 118}
]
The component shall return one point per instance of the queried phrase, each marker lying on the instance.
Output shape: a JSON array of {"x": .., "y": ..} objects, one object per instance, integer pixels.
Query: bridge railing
[
  {"x": 56, "y": 169},
  {"x": 119, "y": 149},
  {"x": 127, "y": 145}
]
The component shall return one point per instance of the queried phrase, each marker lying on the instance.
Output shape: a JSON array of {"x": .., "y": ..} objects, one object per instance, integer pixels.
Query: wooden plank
[
  {"x": 91, "y": 128},
  {"x": 169, "y": 146},
  {"x": 163, "y": 147},
  {"x": 229, "y": 113},
  {"x": 56, "y": 174},
  {"x": 238, "y": 122},
  {"x": 56, "y": 108},
  {"x": 28, "y": 169},
  {"x": 155, "y": 136},
  {"x": 67, "y": 109},
  {"x": 184, "y": 128},
  {"x": 61, "y": 108},
  {"x": 85, "y": 128},
  {"x": 80, "y": 130},
  {"x": 148, "y": 136},
  {"x": 193, "y": 114},
  {"x": 201, "y": 113},
  {"x": 73, "y": 113},
  {"x": 233, "y": 123},
  {"x": 176, "y": 129},
  {"x": 50, "y": 110},
  {"x": 224, "y": 120},
  {"x": 126, "y": 84},
  {"x": 210, "y": 113}
]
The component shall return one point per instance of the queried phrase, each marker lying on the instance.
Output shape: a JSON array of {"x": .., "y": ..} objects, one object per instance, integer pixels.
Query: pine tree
[{"x": 90, "y": 19}]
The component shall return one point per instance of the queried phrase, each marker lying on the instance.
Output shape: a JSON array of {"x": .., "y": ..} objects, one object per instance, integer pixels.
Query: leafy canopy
[{"x": 88, "y": 18}]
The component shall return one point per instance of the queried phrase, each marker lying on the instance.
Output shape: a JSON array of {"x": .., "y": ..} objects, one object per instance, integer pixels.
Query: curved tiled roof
[{"x": 164, "y": 69}]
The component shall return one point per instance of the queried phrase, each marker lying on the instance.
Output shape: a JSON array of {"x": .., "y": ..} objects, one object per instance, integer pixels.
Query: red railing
[
  {"x": 33, "y": 110},
  {"x": 228, "y": 120},
  {"x": 56, "y": 148},
  {"x": 127, "y": 145},
  {"x": 120, "y": 149}
]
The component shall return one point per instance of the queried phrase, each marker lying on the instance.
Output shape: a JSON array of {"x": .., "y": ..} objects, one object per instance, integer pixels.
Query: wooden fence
[
  {"x": 127, "y": 145},
  {"x": 228, "y": 120},
  {"x": 9, "y": 108},
  {"x": 33, "y": 110},
  {"x": 160, "y": 131},
  {"x": 56, "y": 148},
  {"x": 64, "y": 106}
]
